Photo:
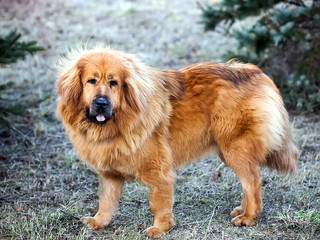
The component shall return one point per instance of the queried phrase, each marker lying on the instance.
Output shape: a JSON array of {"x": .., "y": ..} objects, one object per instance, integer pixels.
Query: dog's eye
[
  {"x": 113, "y": 83},
  {"x": 92, "y": 81}
]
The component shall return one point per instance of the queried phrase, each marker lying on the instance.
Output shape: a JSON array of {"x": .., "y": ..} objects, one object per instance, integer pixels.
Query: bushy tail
[{"x": 285, "y": 160}]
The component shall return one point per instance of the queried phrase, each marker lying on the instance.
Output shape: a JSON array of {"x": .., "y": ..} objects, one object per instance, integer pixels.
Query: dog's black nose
[{"x": 102, "y": 102}]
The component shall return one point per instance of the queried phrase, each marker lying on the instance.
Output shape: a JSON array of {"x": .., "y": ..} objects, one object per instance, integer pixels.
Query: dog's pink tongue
[{"x": 100, "y": 118}]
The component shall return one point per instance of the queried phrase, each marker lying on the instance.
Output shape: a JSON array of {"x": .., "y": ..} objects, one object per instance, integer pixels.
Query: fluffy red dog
[{"x": 131, "y": 121}]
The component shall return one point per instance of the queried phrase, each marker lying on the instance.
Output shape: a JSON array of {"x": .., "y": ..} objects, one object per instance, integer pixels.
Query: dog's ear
[{"x": 69, "y": 85}]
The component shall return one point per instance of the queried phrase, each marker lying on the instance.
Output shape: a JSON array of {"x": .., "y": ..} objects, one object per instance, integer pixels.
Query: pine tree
[
  {"x": 11, "y": 50},
  {"x": 284, "y": 40}
]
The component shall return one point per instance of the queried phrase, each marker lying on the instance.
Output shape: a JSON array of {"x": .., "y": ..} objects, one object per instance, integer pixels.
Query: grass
[{"x": 45, "y": 189}]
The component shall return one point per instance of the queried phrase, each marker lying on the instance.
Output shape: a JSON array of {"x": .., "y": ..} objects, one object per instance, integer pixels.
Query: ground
[{"x": 45, "y": 189}]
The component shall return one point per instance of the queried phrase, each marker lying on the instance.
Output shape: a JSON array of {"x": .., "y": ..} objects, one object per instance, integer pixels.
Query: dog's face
[
  {"x": 102, "y": 79},
  {"x": 96, "y": 83}
]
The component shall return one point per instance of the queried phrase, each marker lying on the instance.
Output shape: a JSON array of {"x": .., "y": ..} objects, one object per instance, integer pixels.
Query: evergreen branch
[
  {"x": 11, "y": 49},
  {"x": 231, "y": 10},
  {"x": 6, "y": 85},
  {"x": 298, "y": 3}
]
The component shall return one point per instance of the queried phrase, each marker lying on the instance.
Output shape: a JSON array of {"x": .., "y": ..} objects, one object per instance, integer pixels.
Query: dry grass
[{"x": 45, "y": 189}]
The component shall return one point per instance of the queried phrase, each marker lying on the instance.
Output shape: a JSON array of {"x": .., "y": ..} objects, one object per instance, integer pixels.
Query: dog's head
[{"x": 100, "y": 82}]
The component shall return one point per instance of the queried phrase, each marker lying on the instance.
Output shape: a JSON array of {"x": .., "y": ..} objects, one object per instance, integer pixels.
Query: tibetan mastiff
[{"x": 128, "y": 120}]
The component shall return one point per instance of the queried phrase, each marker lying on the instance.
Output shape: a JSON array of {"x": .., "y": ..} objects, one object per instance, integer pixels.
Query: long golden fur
[{"x": 128, "y": 121}]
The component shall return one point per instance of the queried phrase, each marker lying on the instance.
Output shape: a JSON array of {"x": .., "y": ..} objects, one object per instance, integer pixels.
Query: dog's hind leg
[
  {"x": 110, "y": 191},
  {"x": 241, "y": 158}
]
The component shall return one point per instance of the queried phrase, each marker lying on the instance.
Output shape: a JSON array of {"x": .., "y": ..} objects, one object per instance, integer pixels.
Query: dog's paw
[
  {"x": 92, "y": 223},
  {"x": 237, "y": 211},
  {"x": 243, "y": 220},
  {"x": 154, "y": 232}
]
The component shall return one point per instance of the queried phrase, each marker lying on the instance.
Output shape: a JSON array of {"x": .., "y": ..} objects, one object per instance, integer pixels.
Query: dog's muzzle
[{"x": 100, "y": 110}]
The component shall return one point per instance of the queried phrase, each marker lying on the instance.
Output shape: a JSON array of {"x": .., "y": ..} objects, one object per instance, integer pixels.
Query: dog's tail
[{"x": 285, "y": 159}]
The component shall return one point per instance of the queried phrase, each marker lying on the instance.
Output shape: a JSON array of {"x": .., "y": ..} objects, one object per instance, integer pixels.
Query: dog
[{"x": 128, "y": 120}]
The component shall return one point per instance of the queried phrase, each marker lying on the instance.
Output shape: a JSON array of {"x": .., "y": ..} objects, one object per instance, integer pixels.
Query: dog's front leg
[
  {"x": 110, "y": 191},
  {"x": 161, "y": 188}
]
